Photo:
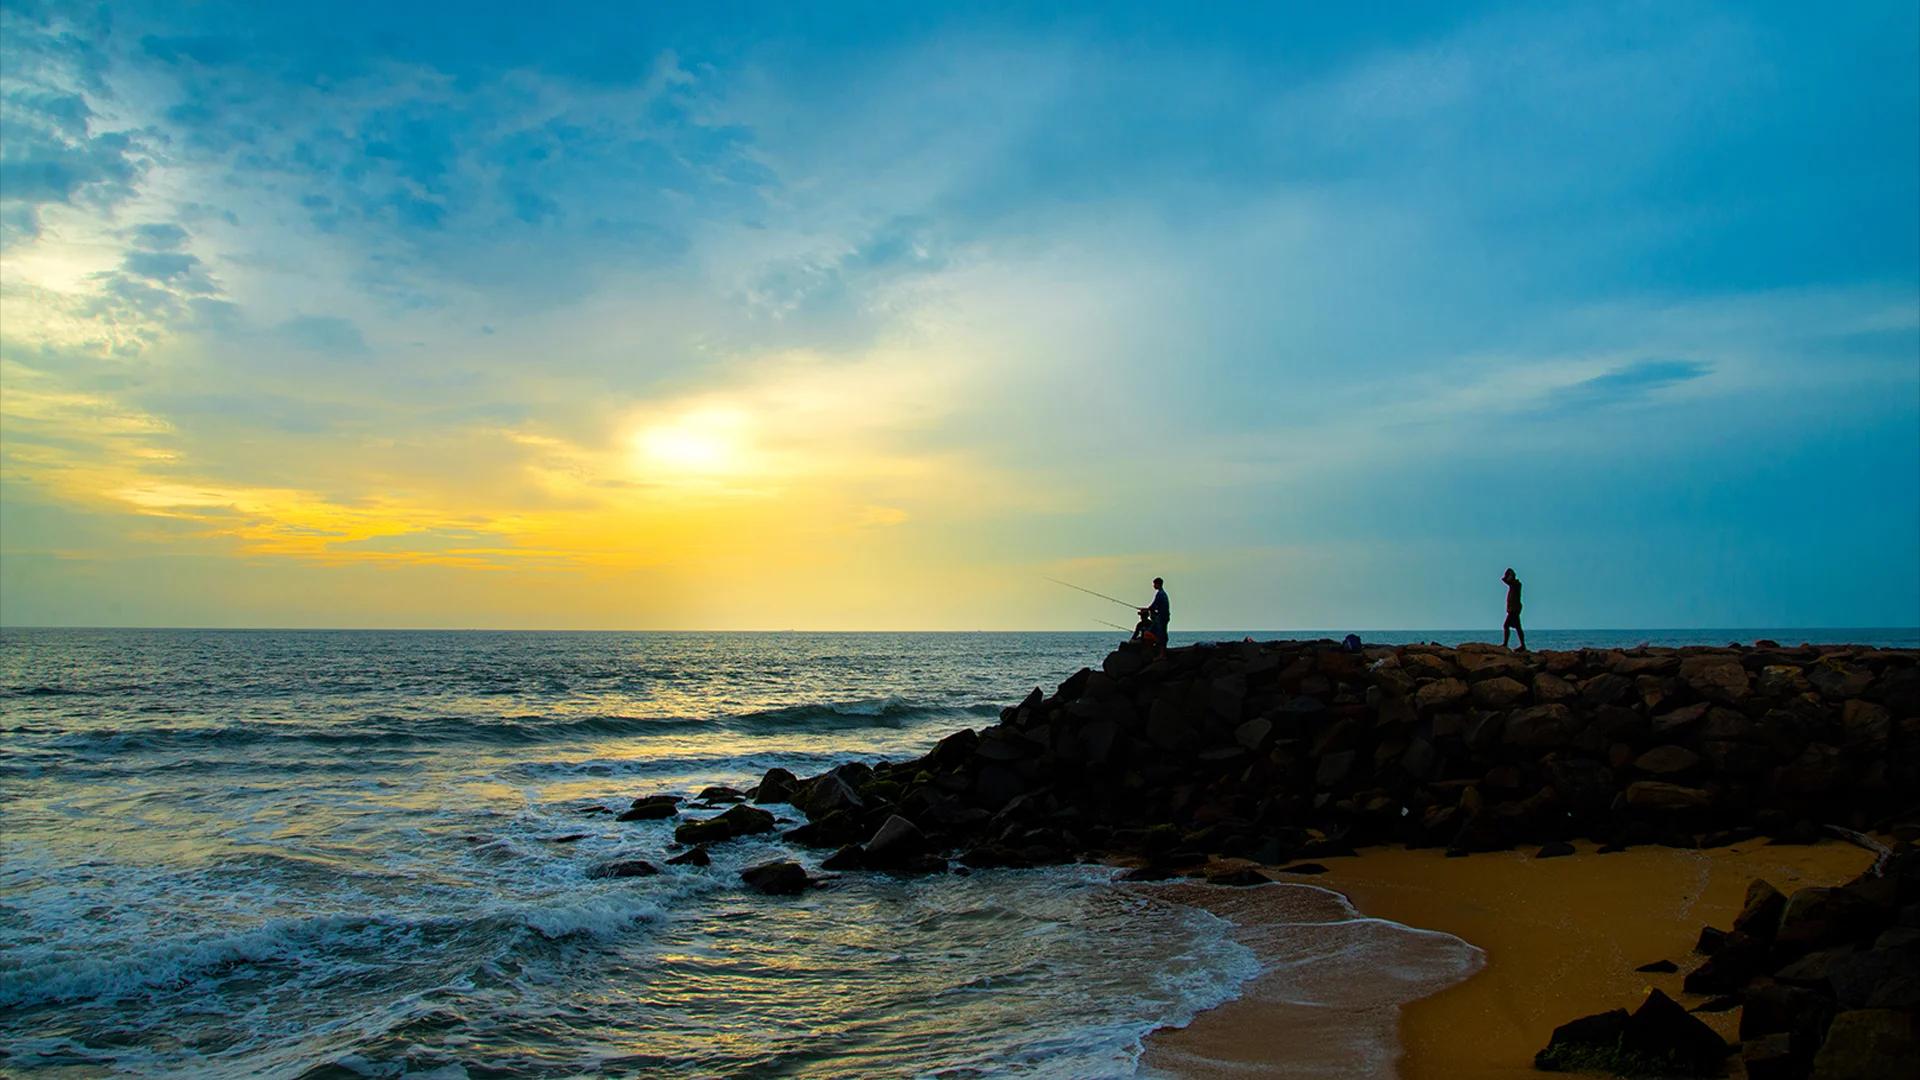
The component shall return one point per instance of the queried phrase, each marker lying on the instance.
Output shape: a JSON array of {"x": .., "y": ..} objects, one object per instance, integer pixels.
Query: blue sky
[{"x": 871, "y": 316}]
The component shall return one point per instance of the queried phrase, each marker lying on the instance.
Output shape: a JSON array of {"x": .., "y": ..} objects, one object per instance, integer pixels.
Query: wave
[
  {"x": 524, "y": 729},
  {"x": 314, "y": 947}
]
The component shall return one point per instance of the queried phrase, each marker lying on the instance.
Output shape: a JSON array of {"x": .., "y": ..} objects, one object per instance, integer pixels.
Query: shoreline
[{"x": 1560, "y": 938}]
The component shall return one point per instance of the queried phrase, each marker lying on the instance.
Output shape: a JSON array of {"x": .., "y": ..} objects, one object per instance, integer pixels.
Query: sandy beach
[{"x": 1555, "y": 938}]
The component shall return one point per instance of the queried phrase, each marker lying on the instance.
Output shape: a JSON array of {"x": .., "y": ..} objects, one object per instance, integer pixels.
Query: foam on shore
[
  {"x": 1329, "y": 995},
  {"x": 1560, "y": 939}
]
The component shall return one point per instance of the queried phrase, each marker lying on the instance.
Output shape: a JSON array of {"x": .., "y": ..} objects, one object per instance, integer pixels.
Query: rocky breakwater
[{"x": 1281, "y": 750}]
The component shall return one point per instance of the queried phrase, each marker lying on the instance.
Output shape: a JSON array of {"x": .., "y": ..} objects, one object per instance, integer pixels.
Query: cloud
[
  {"x": 1626, "y": 385},
  {"x": 323, "y": 333},
  {"x": 160, "y": 236}
]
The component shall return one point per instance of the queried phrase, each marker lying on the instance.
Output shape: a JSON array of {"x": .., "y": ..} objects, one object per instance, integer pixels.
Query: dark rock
[
  {"x": 623, "y": 869},
  {"x": 832, "y": 831},
  {"x": 1549, "y": 688},
  {"x": 1254, "y": 734},
  {"x": 1868, "y": 1044},
  {"x": 779, "y": 878},
  {"x": 1666, "y": 725},
  {"x": 652, "y": 807},
  {"x": 1760, "y": 917},
  {"x": 1866, "y": 725},
  {"x": 851, "y": 857},
  {"x": 1668, "y": 760},
  {"x": 1857, "y": 977},
  {"x": 1658, "y": 796},
  {"x": 1771, "y": 1057},
  {"x": 1576, "y": 1044},
  {"x": 825, "y": 794},
  {"x": 1715, "y": 677},
  {"x": 1498, "y": 692},
  {"x": 1333, "y": 769},
  {"x": 1818, "y": 917},
  {"x": 777, "y": 786},
  {"x": 1440, "y": 694},
  {"x": 995, "y": 785},
  {"x": 1539, "y": 727},
  {"x": 739, "y": 821},
  {"x": 696, "y": 857},
  {"x": 897, "y": 841}
]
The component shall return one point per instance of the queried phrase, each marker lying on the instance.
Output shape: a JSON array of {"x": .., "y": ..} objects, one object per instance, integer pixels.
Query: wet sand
[{"x": 1555, "y": 938}]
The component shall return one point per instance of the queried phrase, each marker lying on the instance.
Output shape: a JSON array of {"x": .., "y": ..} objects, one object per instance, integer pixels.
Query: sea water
[{"x": 363, "y": 853}]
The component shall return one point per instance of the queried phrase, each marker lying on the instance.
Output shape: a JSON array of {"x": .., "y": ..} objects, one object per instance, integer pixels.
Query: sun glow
[{"x": 708, "y": 442}]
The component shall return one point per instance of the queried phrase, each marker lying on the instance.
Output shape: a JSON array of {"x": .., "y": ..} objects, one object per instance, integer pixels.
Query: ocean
[{"x": 365, "y": 853}]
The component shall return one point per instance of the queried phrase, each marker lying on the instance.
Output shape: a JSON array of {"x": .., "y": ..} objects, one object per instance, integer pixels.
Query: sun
[{"x": 708, "y": 442}]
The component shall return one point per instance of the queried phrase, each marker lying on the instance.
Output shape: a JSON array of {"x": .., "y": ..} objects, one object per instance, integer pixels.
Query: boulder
[
  {"x": 1254, "y": 734},
  {"x": 1333, "y": 769},
  {"x": 739, "y": 821},
  {"x": 1760, "y": 917},
  {"x": 1771, "y": 1057},
  {"x": 1539, "y": 727},
  {"x": 825, "y": 794},
  {"x": 623, "y": 869},
  {"x": 1664, "y": 1034},
  {"x": 1549, "y": 688},
  {"x": 895, "y": 842},
  {"x": 1820, "y": 768},
  {"x": 1668, "y": 723},
  {"x": 1167, "y": 729},
  {"x": 781, "y": 877},
  {"x": 777, "y": 786},
  {"x": 833, "y": 830},
  {"x": 1668, "y": 760},
  {"x": 1575, "y": 1044},
  {"x": 1498, "y": 692},
  {"x": 695, "y": 857},
  {"x": 1866, "y": 725},
  {"x": 1440, "y": 694},
  {"x": 1124, "y": 661},
  {"x": 850, "y": 857},
  {"x": 1717, "y": 677},
  {"x": 651, "y": 807},
  {"x": 1869, "y": 1044},
  {"x": 1816, "y": 917},
  {"x": 1659, "y": 796}
]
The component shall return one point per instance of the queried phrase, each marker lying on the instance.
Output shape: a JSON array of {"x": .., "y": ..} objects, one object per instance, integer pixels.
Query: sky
[{"x": 876, "y": 316}]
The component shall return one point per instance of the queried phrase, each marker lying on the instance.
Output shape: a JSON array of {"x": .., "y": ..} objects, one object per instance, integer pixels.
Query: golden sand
[{"x": 1560, "y": 939}]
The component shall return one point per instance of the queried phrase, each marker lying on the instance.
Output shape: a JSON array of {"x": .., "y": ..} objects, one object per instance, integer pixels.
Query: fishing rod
[{"x": 1090, "y": 592}]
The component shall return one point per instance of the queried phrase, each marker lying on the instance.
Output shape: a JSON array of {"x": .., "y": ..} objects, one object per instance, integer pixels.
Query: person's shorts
[{"x": 1513, "y": 621}]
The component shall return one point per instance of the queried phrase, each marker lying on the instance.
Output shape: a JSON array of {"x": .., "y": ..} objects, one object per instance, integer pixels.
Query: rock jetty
[
  {"x": 1277, "y": 751},
  {"x": 1287, "y": 750}
]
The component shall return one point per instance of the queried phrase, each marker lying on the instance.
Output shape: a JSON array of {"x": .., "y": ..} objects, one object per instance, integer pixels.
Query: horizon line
[{"x": 886, "y": 630}]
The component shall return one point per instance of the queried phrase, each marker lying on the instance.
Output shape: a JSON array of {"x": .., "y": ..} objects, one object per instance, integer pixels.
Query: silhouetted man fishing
[
  {"x": 1157, "y": 614},
  {"x": 1512, "y": 625}
]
